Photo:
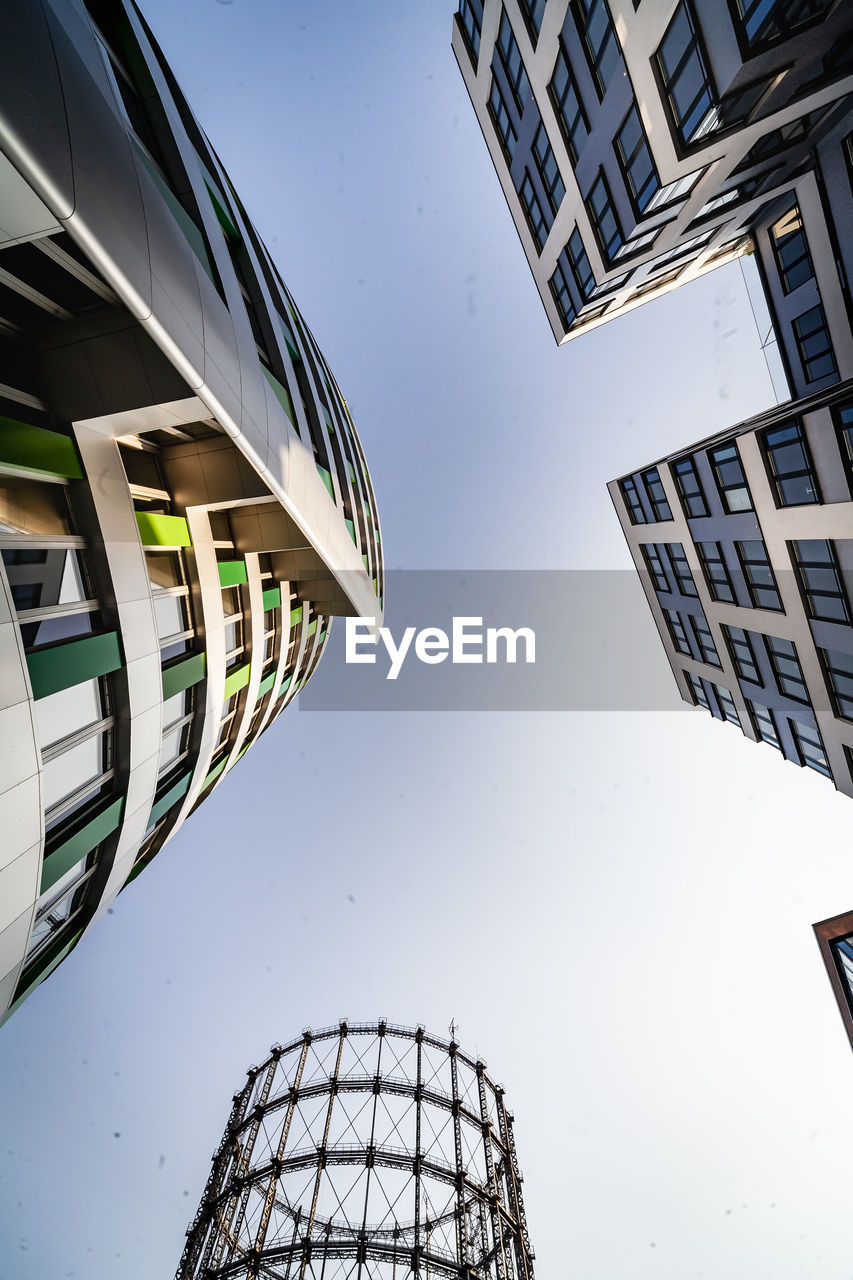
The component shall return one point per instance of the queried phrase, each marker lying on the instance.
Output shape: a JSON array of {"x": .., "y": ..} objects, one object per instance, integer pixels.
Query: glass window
[
  {"x": 165, "y": 569},
  {"x": 548, "y": 169},
  {"x": 786, "y": 668},
  {"x": 174, "y": 741},
  {"x": 501, "y": 120},
  {"x": 764, "y": 724},
  {"x": 698, "y": 689},
  {"x": 839, "y": 674},
  {"x": 632, "y": 501},
  {"x": 654, "y": 565},
  {"x": 730, "y": 478},
  {"x": 533, "y": 209},
  {"x": 34, "y": 506},
  {"x": 73, "y": 769},
  {"x": 176, "y": 707},
  {"x": 743, "y": 655},
  {"x": 568, "y": 105},
  {"x": 685, "y": 77},
  {"x": 57, "y": 576},
  {"x": 716, "y": 572},
  {"x": 233, "y": 636},
  {"x": 705, "y": 641},
  {"x": 635, "y": 159},
  {"x": 580, "y": 265},
  {"x": 790, "y": 465},
  {"x": 681, "y": 569},
  {"x": 603, "y": 217},
  {"x": 512, "y": 63},
  {"x": 57, "y": 909},
  {"x": 814, "y": 344},
  {"x": 560, "y": 293},
  {"x": 65, "y": 626},
  {"x": 657, "y": 497},
  {"x": 170, "y": 615},
  {"x": 821, "y": 581},
  {"x": 844, "y": 423},
  {"x": 678, "y": 190},
  {"x": 780, "y": 139},
  {"x": 810, "y": 747},
  {"x": 727, "y": 704},
  {"x": 599, "y": 41},
  {"x": 791, "y": 248},
  {"x": 471, "y": 26},
  {"x": 534, "y": 11},
  {"x": 764, "y": 22},
  {"x": 758, "y": 575},
  {"x": 676, "y": 630},
  {"x": 690, "y": 488},
  {"x": 68, "y": 711}
]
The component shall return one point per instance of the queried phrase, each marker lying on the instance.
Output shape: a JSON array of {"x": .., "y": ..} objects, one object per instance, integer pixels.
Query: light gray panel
[
  {"x": 23, "y": 216},
  {"x": 19, "y": 758},
  {"x": 13, "y": 941},
  {"x": 141, "y": 784},
  {"x": 138, "y": 635},
  {"x": 145, "y": 683},
  {"x": 19, "y": 883},
  {"x": 146, "y": 732},
  {"x": 7, "y": 989},
  {"x": 13, "y": 679},
  {"x": 20, "y": 818}
]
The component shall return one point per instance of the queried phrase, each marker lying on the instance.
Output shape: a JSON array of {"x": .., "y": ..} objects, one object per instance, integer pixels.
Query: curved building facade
[
  {"x": 184, "y": 501},
  {"x": 365, "y": 1149}
]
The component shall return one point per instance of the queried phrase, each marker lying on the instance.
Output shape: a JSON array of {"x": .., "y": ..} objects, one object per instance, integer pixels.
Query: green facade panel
[
  {"x": 180, "y": 675},
  {"x": 289, "y": 340},
  {"x": 232, "y": 573},
  {"x": 326, "y": 477},
  {"x": 351, "y": 530},
  {"x": 64, "y": 665},
  {"x": 281, "y": 393},
  {"x": 170, "y": 797},
  {"x": 79, "y": 845},
  {"x": 266, "y": 684},
  {"x": 272, "y": 598},
  {"x": 285, "y": 685},
  {"x": 223, "y": 217},
  {"x": 237, "y": 679},
  {"x": 312, "y": 628},
  {"x": 35, "y": 449},
  {"x": 46, "y": 965},
  {"x": 214, "y": 773},
  {"x": 296, "y": 616},
  {"x": 156, "y": 530}
]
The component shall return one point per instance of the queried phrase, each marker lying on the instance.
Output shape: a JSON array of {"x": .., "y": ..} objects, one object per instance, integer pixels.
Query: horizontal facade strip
[
  {"x": 272, "y": 598},
  {"x": 156, "y": 530},
  {"x": 168, "y": 798},
  {"x": 35, "y": 449},
  {"x": 80, "y": 844},
  {"x": 232, "y": 573},
  {"x": 266, "y": 684},
  {"x": 237, "y": 679},
  {"x": 184, "y": 673},
  {"x": 65, "y": 665}
]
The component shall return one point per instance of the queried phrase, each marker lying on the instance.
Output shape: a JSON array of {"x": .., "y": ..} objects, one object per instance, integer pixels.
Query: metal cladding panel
[
  {"x": 32, "y": 112},
  {"x": 65, "y": 665},
  {"x": 82, "y": 842}
]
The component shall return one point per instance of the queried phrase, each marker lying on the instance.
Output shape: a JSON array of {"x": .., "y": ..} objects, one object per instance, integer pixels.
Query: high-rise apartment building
[
  {"x": 744, "y": 544},
  {"x": 365, "y": 1149},
  {"x": 835, "y": 939},
  {"x": 640, "y": 145},
  {"x": 184, "y": 502}
]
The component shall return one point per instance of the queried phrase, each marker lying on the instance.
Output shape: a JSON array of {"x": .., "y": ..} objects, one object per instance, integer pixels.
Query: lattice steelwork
[{"x": 365, "y": 1150}]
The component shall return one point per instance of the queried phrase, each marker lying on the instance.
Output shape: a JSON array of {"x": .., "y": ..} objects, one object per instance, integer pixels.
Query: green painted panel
[
  {"x": 266, "y": 684},
  {"x": 237, "y": 679},
  {"x": 281, "y": 393},
  {"x": 67, "y": 664},
  {"x": 351, "y": 471},
  {"x": 162, "y": 531},
  {"x": 82, "y": 842},
  {"x": 295, "y": 616},
  {"x": 368, "y": 512},
  {"x": 34, "y": 449},
  {"x": 214, "y": 773},
  {"x": 351, "y": 527},
  {"x": 232, "y": 573},
  {"x": 47, "y": 964},
  {"x": 312, "y": 628},
  {"x": 326, "y": 477},
  {"x": 170, "y": 797},
  {"x": 285, "y": 685},
  {"x": 272, "y": 598},
  {"x": 222, "y": 214},
  {"x": 180, "y": 675},
  {"x": 322, "y": 636},
  {"x": 289, "y": 340},
  {"x": 366, "y": 563}
]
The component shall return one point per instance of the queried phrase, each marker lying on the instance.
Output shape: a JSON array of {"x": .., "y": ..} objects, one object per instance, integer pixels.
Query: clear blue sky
[{"x": 616, "y": 909}]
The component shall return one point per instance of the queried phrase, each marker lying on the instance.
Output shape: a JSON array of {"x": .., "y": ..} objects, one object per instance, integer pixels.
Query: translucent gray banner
[{"x": 590, "y": 633}]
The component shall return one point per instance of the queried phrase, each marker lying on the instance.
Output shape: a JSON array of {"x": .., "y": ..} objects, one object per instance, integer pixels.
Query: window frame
[
  {"x": 801, "y": 339},
  {"x": 752, "y": 587},
  {"x": 688, "y": 464},
  {"x": 724, "y": 488},
  {"x": 808, "y": 593}
]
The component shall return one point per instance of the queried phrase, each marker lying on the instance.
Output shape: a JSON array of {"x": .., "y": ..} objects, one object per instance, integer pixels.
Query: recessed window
[
  {"x": 632, "y": 501},
  {"x": 657, "y": 497},
  {"x": 810, "y": 747},
  {"x": 603, "y": 217},
  {"x": 654, "y": 565},
  {"x": 470, "y": 23},
  {"x": 560, "y": 293},
  {"x": 764, "y": 724},
  {"x": 821, "y": 581},
  {"x": 533, "y": 11},
  {"x": 788, "y": 237},
  {"x": 758, "y": 575},
  {"x": 577, "y": 254},
  {"x": 71, "y": 770},
  {"x": 31, "y": 506},
  {"x": 170, "y": 615},
  {"x": 686, "y": 81},
  {"x": 690, "y": 488},
  {"x": 743, "y": 655},
  {"x": 681, "y": 569},
  {"x": 814, "y": 344},
  {"x": 716, "y": 572},
  {"x": 176, "y": 707},
  {"x": 786, "y": 668},
  {"x": 635, "y": 160},
  {"x": 844, "y": 424},
  {"x": 533, "y": 209},
  {"x": 781, "y": 139},
  {"x": 57, "y": 576},
  {"x": 598, "y": 38},
  {"x": 568, "y": 105},
  {"x": 790, "y": 465},
  {"x": 512, "y": 64},
  {"x": 705, "y": 640},
  {"x": 676, "y": 630},
  {"x": 549, "y": 171},
  {"x": 730, "y": 477},
  {"x": 839, "y": 674},
  {"x": 69, "y": 711},
  {"x": 727, "y": 704},
  {"x": 765, "y": 22},
  {"x": 501, "y": 121},
  {"x": 698, "y": 689}
]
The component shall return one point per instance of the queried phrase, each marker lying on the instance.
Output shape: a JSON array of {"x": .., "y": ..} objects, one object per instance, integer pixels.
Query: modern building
[
  {"x": 184, "y": 502},
  {"x": 744, "y": 544},
  {"x": 640, "y": 145},
  {"x": 365, "y": 1149},
  {"x": 835, "y": 939}
]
